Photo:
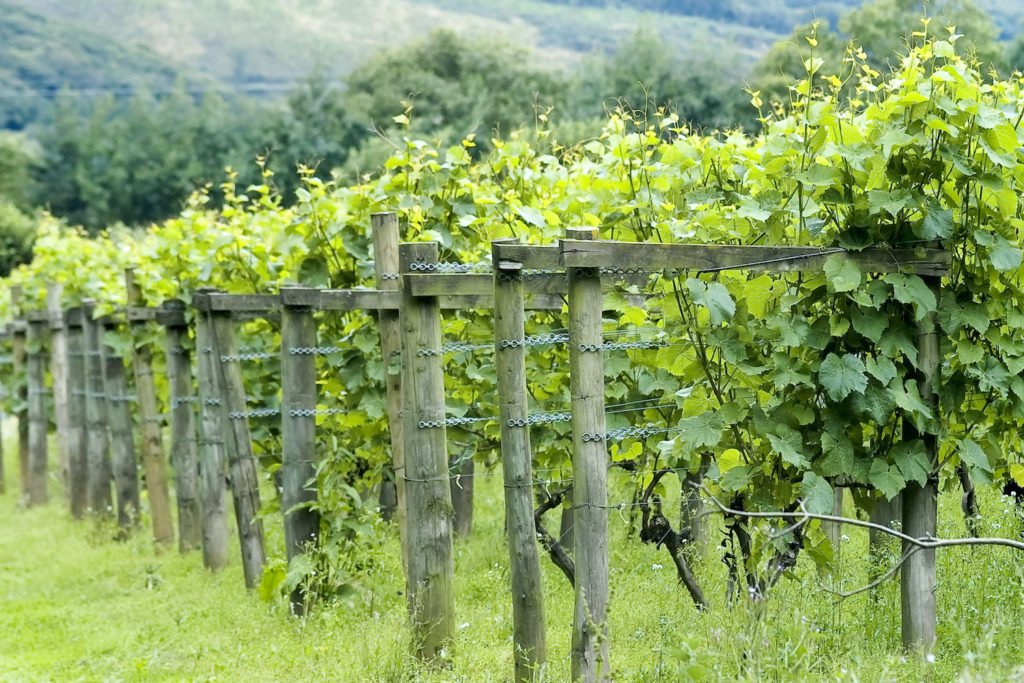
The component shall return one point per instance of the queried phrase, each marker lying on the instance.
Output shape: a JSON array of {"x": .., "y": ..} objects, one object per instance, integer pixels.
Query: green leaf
[
  {"x": 911, "y": 289},
  {"x": 881, "y": 368},
  {"x": 714, "y": 297},
  {"x": 937, "y": 224},
  {"x": 702, "y": 431},
  {"x": 837, "y": 457},
  {"x": 912, "y": 459},
  {"x": 1004, "y": 256},
  {"x": 532, "y": 216},
  {"x": 841, "y": 376},
  {"x": 887, "y": 480},
  {"x": 909, "y": 398},
  {"x": 788, "y": 443},
  {"x": 972, "y": 454},
  {"x": 818, "y": 496},
  {"x": 869, "y": 323},
  {"x": 842, "y": 273}
]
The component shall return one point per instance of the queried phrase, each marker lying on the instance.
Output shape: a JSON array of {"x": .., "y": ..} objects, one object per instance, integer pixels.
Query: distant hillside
[
  {"x": 39, "y": 56},
  {"x": 263, "y": 47}
]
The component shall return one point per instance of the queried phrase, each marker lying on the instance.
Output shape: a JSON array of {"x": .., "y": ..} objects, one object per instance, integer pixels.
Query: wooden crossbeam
[{"x": 713, "y": 258}]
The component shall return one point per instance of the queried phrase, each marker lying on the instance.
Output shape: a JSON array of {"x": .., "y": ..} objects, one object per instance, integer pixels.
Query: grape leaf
[
  {"x": 842, "y": 273},
  {"x": 714, "y": 297},
  {"x": 841, "y": 376},
  {"x": 817, "y": 493},
  {"x": 886, "y": 479},
  {"x": 788, "y": 443}
]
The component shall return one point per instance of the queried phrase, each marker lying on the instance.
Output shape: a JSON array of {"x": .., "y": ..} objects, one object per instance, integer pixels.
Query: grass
[{"x": 76, "y": 606}]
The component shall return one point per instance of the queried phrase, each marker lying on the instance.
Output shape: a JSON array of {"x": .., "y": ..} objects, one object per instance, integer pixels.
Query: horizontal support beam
[
  {"x": 713, "y": 258},
  {"x": 37, "y": 316},
  {"x": 73, "y": 317},
  {"x": 136, "y": 314},
  {"x": 526, "y": 256},
  {"x": 243, "y": 303},
  {"x": 356, "y": 300}
]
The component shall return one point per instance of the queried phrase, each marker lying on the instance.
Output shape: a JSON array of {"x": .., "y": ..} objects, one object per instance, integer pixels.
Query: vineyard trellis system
[{"x": 94, "y": 417}]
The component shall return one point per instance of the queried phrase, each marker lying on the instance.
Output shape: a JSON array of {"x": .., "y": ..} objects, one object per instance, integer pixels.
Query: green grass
[{"x": 76, "y": 606}]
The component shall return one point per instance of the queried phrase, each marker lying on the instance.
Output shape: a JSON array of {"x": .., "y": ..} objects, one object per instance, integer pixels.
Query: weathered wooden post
[
  {"x": 211, "y": 442},
  {"x": 18, "y": 331},
  {"x": 97, "y": 439},
  {"x": 38, "y": 421},
  {"x": 122, "y": 441},
  {"x": 5, "y": 382},
  {"x": 920, "y": 501},
  {"x": 78, "y": 471},
  {"x": 590, "y": 660},
  {"x": 530, "y": 649},
  {"x": 385, "y": 255},
  {"x": 431, "y": 566},
  {"x": 153, "y": 462},
  {"x": 462, "y": 469},
  {"x": 59, "y": 374},
  {"x": 183, "y": 425},
  {"x": 242, "y": 466},
  {"x": 298, "y": 425}
]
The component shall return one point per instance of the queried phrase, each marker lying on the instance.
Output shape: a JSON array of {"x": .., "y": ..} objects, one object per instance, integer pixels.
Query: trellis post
[
  {"x": 38, "y": 421},
  {"x": 183, "y": 425},
  {"x": 590, "y": 660},
  {"x": 920, "y": 501},
  {"x": 211, "y": 442},
  {"x": 97, "y": 439},
  {"x": 122, "y": 440},
  {"x": 18, "y": 332},
  {"x": 431, "y": 568},
  {"x": 241, "y": 459},
  {"x": 298, "y": 426},
  {"x": 385, "y": 255},
  {"x": 528, "y": 638},
  {"x": 78, "y": 472},
  {"x": 153, "y": 461},
  {"x": 59, "y": 374}
]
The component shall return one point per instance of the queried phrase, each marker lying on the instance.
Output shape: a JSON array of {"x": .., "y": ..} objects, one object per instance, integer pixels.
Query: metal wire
[
  {"x": 255, "y": 412},
  {"x": 450, "y": 267},
  {"x": 262, "y": 355}
]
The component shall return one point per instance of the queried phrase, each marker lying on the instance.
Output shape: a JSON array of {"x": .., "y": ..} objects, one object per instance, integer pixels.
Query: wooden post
[
  {"x": 153, "y": 462},
  {"x": 385, "y": 254},
  {"x": 183, "y": 426},
  {"x": 211, "y": 443},
  {"x": 298, "y": 430},
  {"x": 122, "y": 441},
  {"x": 59, "y": 373},
  {"x": 18, "y": 331},
  {"x": 38, "y": 421},
  {"x": 920, "y": 501},
  {"x": 462, "y": 495},
  {"x": 78, "y": 471},
  {"x": 242, "y": 466},
  {"x": 96, "y": 437},
  {"x": 529, "y": 646},
  {"x": 589, "y": 464},
  {"x": 431, "y": 565}
]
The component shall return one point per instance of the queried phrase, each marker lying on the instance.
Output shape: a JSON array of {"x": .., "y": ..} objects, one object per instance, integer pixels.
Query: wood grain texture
[
  {"x": 384, "y": 227},
  {"x": 298, "y": 432},
  {"x": 122, "y": 440},
  {"x": 528, "y": 637},
  {"x": 183, "y": 455},
  {"x": 241, "y": 459},
  {"x": 59, "y": 375},
  {"x": 590, "y": 661},
  {"x": 212, "y": 450},
  {"x": 38, "y": 420},
  {"x": 708, "y": 257},
  {"x": 431, "y": 564},
  {"x": 153, "y": 462},
  {"x": 100, "y": 471},
  {"x": 78, "y": 482}
]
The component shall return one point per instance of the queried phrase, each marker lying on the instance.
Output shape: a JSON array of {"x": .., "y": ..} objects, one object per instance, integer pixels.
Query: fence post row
[
  {"x": 242, "y": 466},
  {"x": 212, "y": 456},
  {"x": 298, "y": 426},
  {"x": 97, "y": 440},
  {"x": 183, "y": 454},
  {"x": 38, "y": 420},
  {"x": 18, "y": 332},
  {"x": 153, "y": 462},
  {"x": 384, "y": 227},
  {"x": 431, "y": 564},
  {"x": 59, "y": 375},
  {"x": 78, "y": 471},
  {"x": 530, "y": 649},
  {"x": 119, "y": 419},
  {"x": 5, "y": 383}
]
